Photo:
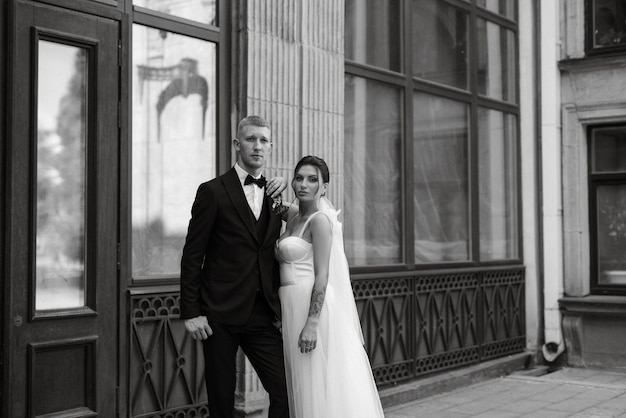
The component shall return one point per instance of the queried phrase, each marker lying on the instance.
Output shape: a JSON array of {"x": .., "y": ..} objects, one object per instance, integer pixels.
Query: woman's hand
[
  {"x": 308, "y": 338},
  {"x": 275, "y": 187}
]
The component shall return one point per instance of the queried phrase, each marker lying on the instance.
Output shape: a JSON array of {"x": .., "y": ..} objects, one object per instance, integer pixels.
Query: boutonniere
[{"x": 277, "y": 206}]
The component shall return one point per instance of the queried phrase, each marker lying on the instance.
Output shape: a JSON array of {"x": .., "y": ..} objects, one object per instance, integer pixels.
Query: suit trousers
[{"x": 262, "y": 344}]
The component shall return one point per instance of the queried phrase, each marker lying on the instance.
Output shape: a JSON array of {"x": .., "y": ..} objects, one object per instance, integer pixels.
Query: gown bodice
[{"x": 295, "y": 256}]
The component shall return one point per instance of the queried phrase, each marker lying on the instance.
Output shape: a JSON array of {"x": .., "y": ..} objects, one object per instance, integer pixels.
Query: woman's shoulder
[{"x": 321, "y": 221}]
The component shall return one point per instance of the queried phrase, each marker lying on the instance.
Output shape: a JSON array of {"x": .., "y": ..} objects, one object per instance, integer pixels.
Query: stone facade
[{"x": 589, "y": 96}]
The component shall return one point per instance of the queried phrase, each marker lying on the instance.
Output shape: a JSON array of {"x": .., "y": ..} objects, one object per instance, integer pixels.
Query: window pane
[
  {"x": 379, "y": 47},
  {"x": 496, "y": 61},
  {"x": 373, "y": 197},
  {"x": 61, "y": 146},
  {"x": 203, "y": 11},
  {"x": 497, "y": 166},
  {"x": 174, "y": 131},
  {"x": 611, "y": 226},
  {"x": 441, "y": 179},
  {"x": 440, "y": 43},
  {"x": 504, "y": 7},
  {"x": 609, "y": 22},
  {"x": 609, "y": 149}
]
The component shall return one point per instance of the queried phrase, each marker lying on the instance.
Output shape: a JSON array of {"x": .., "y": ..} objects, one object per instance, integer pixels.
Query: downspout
[
  {"x": 551, "y": 180},
  {"x": 537, "y": 41}
]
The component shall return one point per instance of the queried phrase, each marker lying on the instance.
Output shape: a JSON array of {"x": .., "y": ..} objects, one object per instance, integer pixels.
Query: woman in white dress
[{"x": 328, "y": 371}]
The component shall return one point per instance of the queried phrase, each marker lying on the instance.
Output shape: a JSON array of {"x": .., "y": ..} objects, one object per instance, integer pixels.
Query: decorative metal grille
[
  {"x": 385, "y": 309},
  {"x": 166, "y": 364},
  {"x": 504, "y": 314},
  {"x": 429, "y": 323},
  {"x": 412, "y": 326}
]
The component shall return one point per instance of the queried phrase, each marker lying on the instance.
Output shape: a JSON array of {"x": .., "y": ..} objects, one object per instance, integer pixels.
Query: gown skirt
[{"x": 335, "y": 379}]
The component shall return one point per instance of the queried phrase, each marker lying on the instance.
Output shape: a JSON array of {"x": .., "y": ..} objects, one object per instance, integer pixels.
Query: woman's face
[{"x": 307, "y": 183}]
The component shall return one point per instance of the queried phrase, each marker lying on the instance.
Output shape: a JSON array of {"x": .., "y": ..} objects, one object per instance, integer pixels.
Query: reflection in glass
[
  {"x": 174, "y": 140},
  {"x": 497, "y": 185},
  {"x": 203, "y": 11},
  {"x": 61, "y": 145},
  {"x": 496, "y": 61},
  {"x": 440, "y": 141},
  {"x": 506, "y": 8},
  {"x": 373, "y": 198},
  {"x": 611, "y": 230},
  {"x": 609, "y": 22},
  {"x": 373, "y": 33},
  {"x": 609, "y": 149},
  {"x": 440, "y": 44}
]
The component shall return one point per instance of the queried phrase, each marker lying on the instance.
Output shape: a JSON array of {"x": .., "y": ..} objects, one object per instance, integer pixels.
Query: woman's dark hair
[{"x": 315, "y": 162}]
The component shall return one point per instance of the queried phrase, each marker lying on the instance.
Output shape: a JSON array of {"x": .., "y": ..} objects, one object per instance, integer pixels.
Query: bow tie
[{"x": 259, "y": 182}]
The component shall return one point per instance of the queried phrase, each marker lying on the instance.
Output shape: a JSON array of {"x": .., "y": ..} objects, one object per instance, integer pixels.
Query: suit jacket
[{"x": 224, "y": 262}]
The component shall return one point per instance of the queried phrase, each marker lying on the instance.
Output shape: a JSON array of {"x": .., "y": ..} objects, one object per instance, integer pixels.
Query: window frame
[
  {"x": 221, "y": 36},
  {"x": 410, "y": 84},
  {"x": 596, "y": 180}
]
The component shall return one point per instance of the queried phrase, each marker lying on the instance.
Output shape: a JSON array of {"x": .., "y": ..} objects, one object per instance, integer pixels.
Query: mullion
[
  {"x": 473, "y": 192},
  {"x": 407, "y": 123}
]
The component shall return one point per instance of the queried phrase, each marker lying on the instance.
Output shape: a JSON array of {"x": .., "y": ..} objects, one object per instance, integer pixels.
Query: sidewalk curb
[{"x": 448, "y": 381}]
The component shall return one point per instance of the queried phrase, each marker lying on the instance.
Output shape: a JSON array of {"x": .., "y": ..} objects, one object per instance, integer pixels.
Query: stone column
[{"x": 288, "y": 66}]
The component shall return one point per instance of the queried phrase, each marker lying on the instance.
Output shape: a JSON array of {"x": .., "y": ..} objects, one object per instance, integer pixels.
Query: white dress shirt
[{"x": 254, "y": 194}]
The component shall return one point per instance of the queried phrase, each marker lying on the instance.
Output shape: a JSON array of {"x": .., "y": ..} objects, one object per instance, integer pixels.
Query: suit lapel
[
  {"x": 274, "y": 220},
  {"x": 235, "y": 192}
]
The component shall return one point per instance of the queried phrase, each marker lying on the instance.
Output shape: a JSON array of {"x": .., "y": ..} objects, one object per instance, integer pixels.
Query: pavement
[{"x": 541, "y": 392}]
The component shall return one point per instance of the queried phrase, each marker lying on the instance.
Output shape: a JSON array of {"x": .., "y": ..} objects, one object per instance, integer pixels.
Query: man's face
[{"x": 253, "y": 145}]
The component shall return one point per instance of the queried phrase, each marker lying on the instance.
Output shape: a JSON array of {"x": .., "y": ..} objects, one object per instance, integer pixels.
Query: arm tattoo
[{"x": 317, "y": 300}]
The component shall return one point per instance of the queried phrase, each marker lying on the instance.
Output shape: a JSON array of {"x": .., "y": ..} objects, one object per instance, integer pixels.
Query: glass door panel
[{"x": 61, "y": 144}]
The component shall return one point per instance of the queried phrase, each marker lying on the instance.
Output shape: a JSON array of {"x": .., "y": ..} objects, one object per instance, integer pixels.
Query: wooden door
[{"x": 62, "y": 194}]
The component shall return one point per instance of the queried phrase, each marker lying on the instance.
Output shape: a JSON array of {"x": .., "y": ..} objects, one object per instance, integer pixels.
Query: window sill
[
  {"x": 595, "y": 62},
  {"x": 594, "y": 304}
]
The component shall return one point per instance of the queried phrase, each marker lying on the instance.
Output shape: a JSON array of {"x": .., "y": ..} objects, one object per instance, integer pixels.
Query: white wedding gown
[{"x": 335, "y": 379}]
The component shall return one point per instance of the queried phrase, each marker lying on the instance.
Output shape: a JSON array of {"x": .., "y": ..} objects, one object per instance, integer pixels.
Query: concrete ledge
[{"x": 448, "y": 381}]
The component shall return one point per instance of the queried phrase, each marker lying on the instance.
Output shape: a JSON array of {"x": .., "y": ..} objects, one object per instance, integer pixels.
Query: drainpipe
[{"x": 552, "y": 185}]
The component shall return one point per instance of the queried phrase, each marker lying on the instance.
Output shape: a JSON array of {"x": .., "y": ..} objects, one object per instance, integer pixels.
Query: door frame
[
  {"x": 18, "y": 203},
  {"x": 4, "y": 90}
]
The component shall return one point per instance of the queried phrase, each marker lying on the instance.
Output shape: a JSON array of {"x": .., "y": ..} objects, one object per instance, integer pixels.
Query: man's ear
[{"x": 236, "y": 144}]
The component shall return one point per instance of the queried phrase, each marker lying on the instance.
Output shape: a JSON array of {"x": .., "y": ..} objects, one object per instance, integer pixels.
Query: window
[
  {"x": 431, "y": 128},
  {"x": 373, "y": 190},
  {"x": 607, "y": 194},
  {"x": 606, "y": 26},
  {"x": 174, "y": 126}
]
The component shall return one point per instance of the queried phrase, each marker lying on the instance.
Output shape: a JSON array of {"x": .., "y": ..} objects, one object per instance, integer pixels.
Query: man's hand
[
  {"x": 278, "y": 324},
  {"x": 275, "y": 187},
  {"x": 198, "y": 327}
]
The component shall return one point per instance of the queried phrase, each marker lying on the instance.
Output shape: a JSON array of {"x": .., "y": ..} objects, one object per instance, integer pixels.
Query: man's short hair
[{"x": 252, "y": 120}]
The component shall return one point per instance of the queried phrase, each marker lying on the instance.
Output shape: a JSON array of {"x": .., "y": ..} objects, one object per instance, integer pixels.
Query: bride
[{"x": 328, "y": 371}]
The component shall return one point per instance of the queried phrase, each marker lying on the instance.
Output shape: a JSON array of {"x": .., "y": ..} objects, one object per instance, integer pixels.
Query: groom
[{"x": 229, "y": 277}]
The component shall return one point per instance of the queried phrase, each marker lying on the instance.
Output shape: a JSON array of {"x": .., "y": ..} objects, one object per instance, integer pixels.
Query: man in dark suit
[{"x": 229, "y": 276}]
